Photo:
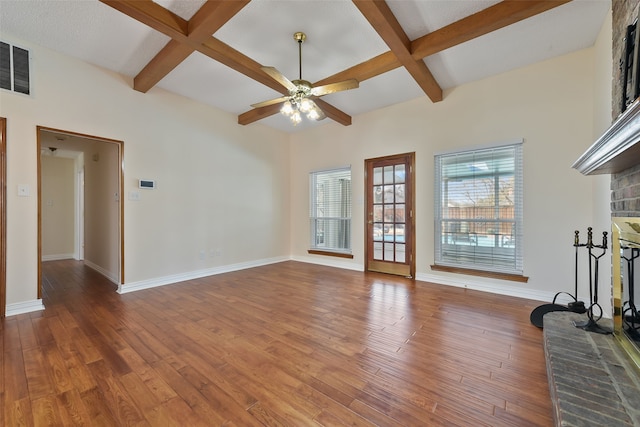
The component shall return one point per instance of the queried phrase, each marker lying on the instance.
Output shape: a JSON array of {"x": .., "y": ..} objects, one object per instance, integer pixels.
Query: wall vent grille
[{"x": 14, "y": 69}]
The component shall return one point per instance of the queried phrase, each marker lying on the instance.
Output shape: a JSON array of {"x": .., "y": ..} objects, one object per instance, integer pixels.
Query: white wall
[
  {"x": 58, "y": 207},
  {"x": 222, "y": 188},
  {"x": 549, "y": 105}
]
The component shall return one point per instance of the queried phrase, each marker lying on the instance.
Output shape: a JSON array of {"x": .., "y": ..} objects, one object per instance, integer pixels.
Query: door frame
[
  {"x": 120, "y": 146},
  {"x": 410, "y": 238},
  {"x": 3, "y": 217}
]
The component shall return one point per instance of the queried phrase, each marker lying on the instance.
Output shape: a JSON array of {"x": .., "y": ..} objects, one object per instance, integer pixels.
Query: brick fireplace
[{"x": 594, "y": 379}]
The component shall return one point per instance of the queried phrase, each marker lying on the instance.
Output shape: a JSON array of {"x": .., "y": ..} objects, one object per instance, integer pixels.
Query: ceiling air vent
[{"x": 14, "y": 68}]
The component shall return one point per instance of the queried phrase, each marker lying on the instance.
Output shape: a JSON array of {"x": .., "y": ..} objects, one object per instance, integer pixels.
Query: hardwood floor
[{"x": 288, "y": 344}]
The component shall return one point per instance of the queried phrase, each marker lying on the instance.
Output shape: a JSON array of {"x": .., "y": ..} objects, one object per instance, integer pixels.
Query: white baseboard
[
  {"x": 329, "y": 261},
  {"x": 102, "y": 271},
  {"x": 175, "y": 278},
  {"x": 24, "y": 307},
  {"x": 57, "y": 257}
]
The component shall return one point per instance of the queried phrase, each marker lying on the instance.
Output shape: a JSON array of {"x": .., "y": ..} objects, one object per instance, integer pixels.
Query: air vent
[{"x": 14, "y": 68}]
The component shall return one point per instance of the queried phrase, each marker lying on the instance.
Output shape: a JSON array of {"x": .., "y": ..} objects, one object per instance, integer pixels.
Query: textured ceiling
[{"x": 339, "y": 37}]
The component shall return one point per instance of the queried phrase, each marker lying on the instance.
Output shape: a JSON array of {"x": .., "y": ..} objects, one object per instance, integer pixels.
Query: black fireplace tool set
[{"x": 595, "y": 252}]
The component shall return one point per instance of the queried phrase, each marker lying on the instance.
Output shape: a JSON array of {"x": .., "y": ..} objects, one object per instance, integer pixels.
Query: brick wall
[
  {"x": 625, "y": 192},
  {"x": 625, "y": 186},
  {"x": 624, "y": 13}
]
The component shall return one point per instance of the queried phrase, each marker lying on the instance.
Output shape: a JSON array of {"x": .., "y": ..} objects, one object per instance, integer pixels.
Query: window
[
  {"x": 330, "y": 210},
  {"x": 478, "y": 203}
]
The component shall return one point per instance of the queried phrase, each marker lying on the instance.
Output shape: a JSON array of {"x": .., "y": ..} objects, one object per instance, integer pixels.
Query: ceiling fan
[{"x": 301, "y": 92}]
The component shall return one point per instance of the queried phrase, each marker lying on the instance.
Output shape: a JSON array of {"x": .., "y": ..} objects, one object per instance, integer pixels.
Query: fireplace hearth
[{"x": 591, "y": 382}]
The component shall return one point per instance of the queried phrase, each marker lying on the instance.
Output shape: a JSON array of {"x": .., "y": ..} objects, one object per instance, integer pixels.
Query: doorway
[
  {"x": 389, "y": 193},
  {"x": 80, "y": 208}
]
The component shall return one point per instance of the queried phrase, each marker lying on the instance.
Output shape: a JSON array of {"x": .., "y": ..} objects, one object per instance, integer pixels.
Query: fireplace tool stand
[
  {"x": 630, "y": 315},
  {"x": 591, "y": 324}
]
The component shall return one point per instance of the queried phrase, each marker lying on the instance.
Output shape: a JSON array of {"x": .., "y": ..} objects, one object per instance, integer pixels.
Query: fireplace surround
[
  {"x": 608, "y": 381},
  {"x": 617, "y": 152},
  {"x": 625, "y": 259}
]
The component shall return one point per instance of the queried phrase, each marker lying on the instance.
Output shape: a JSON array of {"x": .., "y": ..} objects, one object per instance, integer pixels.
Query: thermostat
[{"x": 146, "y": 183}]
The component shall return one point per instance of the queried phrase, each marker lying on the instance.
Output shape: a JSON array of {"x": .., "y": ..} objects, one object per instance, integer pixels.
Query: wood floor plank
[
  {"x": 287, "y": 344},
  {"x": 39, "y": 380},
  {"x": 46, "y": 411},
  {"x": 19, "y": 412},
  {"x": 72, "y": 409},
  {"x": 118, "y": 400}
]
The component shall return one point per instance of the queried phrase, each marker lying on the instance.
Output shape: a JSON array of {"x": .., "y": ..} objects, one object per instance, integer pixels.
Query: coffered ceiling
[{"x": 398, "y": 50}]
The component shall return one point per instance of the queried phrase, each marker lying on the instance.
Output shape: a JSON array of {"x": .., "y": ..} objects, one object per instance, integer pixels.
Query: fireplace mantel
[{"x": 617, "y": 149}]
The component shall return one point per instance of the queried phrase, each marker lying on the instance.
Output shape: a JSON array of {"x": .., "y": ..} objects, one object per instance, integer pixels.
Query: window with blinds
[
  {"x": 330, "y": 210},
  {"x": 478, "y": 209},
  {"x": 14, "y": 68}
]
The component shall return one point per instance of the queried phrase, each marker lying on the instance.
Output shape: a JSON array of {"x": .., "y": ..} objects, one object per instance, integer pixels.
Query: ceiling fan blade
[
  {"x": 279, "y": 77},
  {"x": 334, "y": 87},
  {"x": 270, "y": 102}
]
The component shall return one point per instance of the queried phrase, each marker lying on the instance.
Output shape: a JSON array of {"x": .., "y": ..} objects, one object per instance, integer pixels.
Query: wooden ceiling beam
[
  {"x": 206, "y": 21},
  {"x": 490, "y": 19},
  {"x": 162, "y": 64},
  {"x": 382, "y": 19},
  {"x": 153, "y": 15},
  {"x": 225, "y": 54}
]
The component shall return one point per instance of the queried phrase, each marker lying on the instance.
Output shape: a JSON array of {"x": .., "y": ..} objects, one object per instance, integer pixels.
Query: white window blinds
[
  {"x": 478, "y": 209},
  {"x": 330, "y": 210}
]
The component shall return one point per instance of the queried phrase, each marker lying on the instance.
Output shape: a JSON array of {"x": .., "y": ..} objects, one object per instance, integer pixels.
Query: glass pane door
[{"x": 389, "y": 224}]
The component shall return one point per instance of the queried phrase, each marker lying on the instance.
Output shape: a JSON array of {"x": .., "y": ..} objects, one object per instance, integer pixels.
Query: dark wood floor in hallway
[{"x": 288, "y": 344}]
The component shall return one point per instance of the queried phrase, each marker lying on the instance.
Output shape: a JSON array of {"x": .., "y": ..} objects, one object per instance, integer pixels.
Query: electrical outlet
[
  {"x": 202, "y": 253},
  {"x": 23, "y": 190}
]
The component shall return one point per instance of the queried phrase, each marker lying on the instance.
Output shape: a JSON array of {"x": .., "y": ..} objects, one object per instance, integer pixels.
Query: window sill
[
  {"x": 481, "y": 273},
  {"x": 329, "y": 253}
]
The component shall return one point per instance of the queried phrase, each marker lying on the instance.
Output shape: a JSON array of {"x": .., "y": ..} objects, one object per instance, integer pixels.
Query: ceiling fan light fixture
[
  {"x": 313, "y": 114},
  {"x": 296, "y": 117},
  {"x": 306, "y": 105},
  {"x": 287, "y": 109}
]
